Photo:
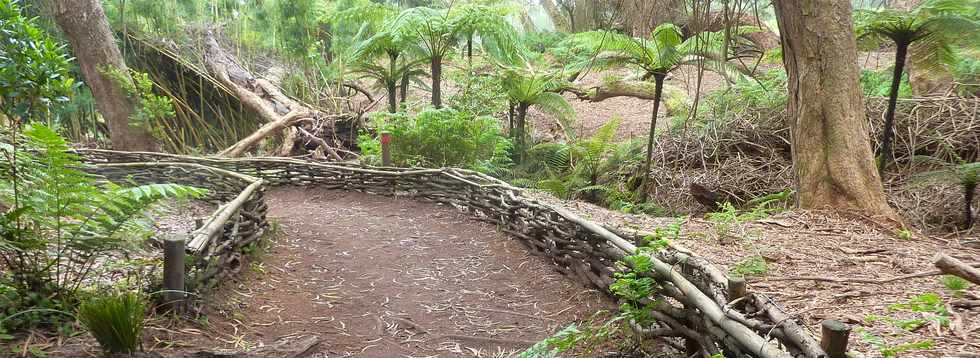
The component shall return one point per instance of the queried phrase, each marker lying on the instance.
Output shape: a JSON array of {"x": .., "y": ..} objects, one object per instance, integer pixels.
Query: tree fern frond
[{"x": 557, "y": 106}]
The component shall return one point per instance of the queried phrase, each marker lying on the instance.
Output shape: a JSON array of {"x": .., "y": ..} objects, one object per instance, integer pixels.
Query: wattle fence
[{"x": 694, "y": 300}]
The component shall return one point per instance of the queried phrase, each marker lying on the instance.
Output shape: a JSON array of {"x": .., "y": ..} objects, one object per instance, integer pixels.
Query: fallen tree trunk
[
  {"x": 614, "y": 87},
  {"x": 951, "y": 266},
  {"x": 267, "y": 101}
]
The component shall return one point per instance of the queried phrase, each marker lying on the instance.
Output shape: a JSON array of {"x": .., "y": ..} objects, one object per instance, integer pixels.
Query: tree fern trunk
[
  {"x": 469, "y": 49},
  {"x": 658, "y": 90},
  {"x": 510, "y": 118},
  {"x": 888, "y": 133},
  {"x": 969, "y": 191},
  {"x": 520, "y": 131},
  {"x": 405, "y": 83},
  {"x": 436, "y": 67},
  {"x": 390, "y": 83}
]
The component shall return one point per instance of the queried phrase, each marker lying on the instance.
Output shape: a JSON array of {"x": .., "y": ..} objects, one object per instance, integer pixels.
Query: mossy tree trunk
[
  {"x": 87, "y": 29},
  {"x": 831, "y": 147}
]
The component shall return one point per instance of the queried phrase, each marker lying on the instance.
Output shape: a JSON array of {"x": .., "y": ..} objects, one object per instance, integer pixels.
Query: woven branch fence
[
  {"x": 219, "y": 244},
  {"x": 695, "y": 301}
]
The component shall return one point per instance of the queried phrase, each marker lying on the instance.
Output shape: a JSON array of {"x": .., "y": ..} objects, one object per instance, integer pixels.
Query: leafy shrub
[
  {"x": 33, "y": 67},
  {"x": 766, "y": 91},
  {"x": 966, "y": 74},
  {"x": 481, "y": 95},
  {"x": 116, "y": 321},
  {"x": 150, "y": 108},
  {"x": 595, "y": 169},
  {"x": 61, "y": 219},
  {"x": 439, "y": 138},
  {"x": 879, "y": 83},
  {"x": 544, "y": 40}
]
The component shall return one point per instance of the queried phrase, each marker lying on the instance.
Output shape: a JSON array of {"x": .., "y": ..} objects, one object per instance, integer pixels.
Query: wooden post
[
  {"x": 736, "y": 288},
  {"x": 173, "y": 272},
  {"x": 833, "y": 338},
  {"x": 386, "y": 149}
]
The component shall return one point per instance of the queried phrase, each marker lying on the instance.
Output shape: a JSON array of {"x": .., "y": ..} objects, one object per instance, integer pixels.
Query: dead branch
[
  {"x": 263, "y": 97},
  {"x": 951, "y": 266}
]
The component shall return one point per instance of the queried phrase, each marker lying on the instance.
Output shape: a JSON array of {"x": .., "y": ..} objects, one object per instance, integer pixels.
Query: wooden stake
[
  {"x": 386, "y": 149},
  {"x": 173, "y": 272},
  {"x": 736, "y": 288},
  {"x": 834, "y": 338}
]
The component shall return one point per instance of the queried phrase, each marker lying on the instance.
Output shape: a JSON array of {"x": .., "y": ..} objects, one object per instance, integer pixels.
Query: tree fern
[
  {"x": 927, "y": 33},
  {"x": 664, "y": 51}
]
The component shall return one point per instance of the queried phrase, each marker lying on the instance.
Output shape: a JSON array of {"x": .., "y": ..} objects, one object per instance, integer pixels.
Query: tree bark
[
  {"x": 87, "y": 29},
  {"x": 436, "y": 68},
  {"x": 658, "y": 91},
  {"x": 831, "y": 150},
  {"x": 559, "y": 20},
  {"x": 888, "y": 133}
]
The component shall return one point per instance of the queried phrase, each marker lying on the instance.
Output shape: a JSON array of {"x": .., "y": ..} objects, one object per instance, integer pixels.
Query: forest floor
[{"x": 817, "y": 266}]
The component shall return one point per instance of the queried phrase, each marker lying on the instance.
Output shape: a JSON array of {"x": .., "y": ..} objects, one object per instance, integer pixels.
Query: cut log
[{"x": 951, "y": 266}]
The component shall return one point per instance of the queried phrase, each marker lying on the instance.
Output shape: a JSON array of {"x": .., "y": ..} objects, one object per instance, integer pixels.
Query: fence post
[
  {"x": 173, "y": 272},
  {"x": 736, "y": 288},
  {"x": 386, "y": 149},
  {"x": 833, "y": 338}
]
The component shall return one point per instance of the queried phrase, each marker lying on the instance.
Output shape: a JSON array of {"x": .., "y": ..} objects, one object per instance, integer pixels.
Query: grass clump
[
  {"x": 116, "y": 321},
  {"x": 955, "y": 284},
  {"x": 755, "y": 266}
]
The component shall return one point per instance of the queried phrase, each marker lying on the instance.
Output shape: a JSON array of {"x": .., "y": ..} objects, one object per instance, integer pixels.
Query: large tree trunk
[
  {"x": 831, "y": 149},
  {"x": 659, "y": 83},
  {"x": 436, "y": 67},
  {"x": 87, "y": 29},
  {"x": 559, "y": 20},
  {"x": 888, "y": 133}
]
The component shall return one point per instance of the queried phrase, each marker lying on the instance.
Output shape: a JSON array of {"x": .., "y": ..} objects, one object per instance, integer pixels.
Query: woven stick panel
[
  {"x": 217, "y": 247},
  {"x": 691, "y": 299}
]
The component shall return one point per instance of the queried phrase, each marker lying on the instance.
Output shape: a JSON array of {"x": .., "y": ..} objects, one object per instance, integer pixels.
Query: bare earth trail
[{"x": 377, "y": 276}]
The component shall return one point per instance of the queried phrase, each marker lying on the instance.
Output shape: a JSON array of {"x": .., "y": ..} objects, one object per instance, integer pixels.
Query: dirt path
[{"x": 387, "y": 277}]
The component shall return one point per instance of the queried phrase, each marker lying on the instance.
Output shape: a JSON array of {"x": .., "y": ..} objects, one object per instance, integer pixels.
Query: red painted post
[{"x": 386, "y": 149}]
